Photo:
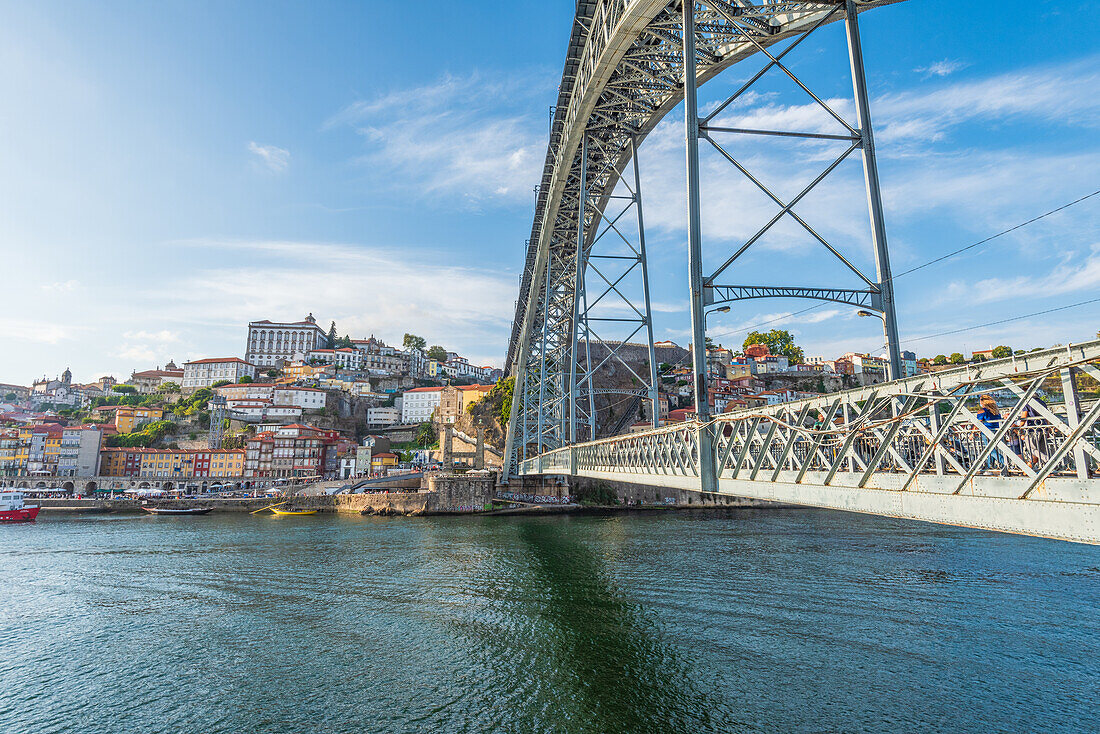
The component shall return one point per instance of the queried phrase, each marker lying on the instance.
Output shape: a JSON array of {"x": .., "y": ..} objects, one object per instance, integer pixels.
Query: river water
[{"x": 751, "y": 620}]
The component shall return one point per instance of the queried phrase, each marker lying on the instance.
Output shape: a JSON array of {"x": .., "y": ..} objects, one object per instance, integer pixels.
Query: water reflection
[{"x": 625, "y": 677}]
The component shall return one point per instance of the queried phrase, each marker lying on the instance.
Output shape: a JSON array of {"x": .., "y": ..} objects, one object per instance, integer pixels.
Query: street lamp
[
  {"x": 723, "y": 309},
  {"x": 881, "y": 317}
]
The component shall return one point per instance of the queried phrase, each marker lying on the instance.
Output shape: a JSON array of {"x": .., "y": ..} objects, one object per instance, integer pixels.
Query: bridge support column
[
  {"x": 874, "y": 194},
  {"x": 578, "y": 290},
  {"x": 707, "y": 472}
]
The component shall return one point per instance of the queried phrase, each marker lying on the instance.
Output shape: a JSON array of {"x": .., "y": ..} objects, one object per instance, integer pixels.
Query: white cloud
[
  {"x": 1061, "y": 94},
  {"x": 61, "y": 287},
  {"x": 275, "y": 158},
  {"x": 470, "y": 137},
  {"x": 941, "y": 68},
  {"x": 34, "y": 331},
  {"x": 366, "y": 290},
  {"x": 163, "y": 336},
  {"x": 137, "y": 353}
]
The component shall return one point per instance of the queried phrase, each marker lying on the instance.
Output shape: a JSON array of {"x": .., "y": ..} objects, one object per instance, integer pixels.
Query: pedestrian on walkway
[{"x": 990, "y": 417}]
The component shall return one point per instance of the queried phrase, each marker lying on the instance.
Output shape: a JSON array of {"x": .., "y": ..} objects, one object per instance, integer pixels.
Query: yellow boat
[{"x": 277, "y": 511}]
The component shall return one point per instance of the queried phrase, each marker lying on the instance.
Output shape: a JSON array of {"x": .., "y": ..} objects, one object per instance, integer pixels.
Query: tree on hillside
[
  {"x": 272, "y": 373},
  {"x": 344, "y": 342},
  {"x": 10, "y": 397},
  {"x": 125, "y": 389},
  {"x": 956, "y": 358},
  {"x": 169, "y": 387},
  {"x": 245, "y": 379},
  {"x": 438, "y": 353},
  {"x": 1001, "y": 352},
  {"x": 780, "y": 342},
  {"x": 425, "y": 434},
  {"x": 412, "y": 341},
  {"x": 330, "y": 340},
  {"x": 219, "y": 383},
  {"x": 939, "y": 359}
]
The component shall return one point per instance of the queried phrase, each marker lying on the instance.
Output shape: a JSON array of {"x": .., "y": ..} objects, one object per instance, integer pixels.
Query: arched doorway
[
  {"x": 167, "y": 486},
  {"x": 68, "y": 486},
  {"x": 90, "y": 487},
  {"x": 40, "y": 485},
  {"x": 143, "y": 485}
]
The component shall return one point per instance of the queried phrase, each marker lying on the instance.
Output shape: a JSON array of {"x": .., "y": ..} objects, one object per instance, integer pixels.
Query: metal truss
[
  {"x": 609, "y": 260},
  {"x": 623, "y": 73},
  {"x": 716, "y": 294},
  {"x": 909, "y": 448},
  {"x": 856, "y": 134}
]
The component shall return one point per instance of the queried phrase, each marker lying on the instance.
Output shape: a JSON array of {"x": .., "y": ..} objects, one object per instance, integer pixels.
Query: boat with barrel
[
  {"x": 176, "y": 510},
  {"x": 13, "y": 509}
]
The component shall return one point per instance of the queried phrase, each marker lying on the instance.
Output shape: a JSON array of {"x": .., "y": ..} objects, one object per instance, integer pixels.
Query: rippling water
[{"x": 747, "y": 621}]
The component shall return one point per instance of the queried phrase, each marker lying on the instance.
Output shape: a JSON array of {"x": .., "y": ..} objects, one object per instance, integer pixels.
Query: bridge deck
[{"x": 913, "y": 448}]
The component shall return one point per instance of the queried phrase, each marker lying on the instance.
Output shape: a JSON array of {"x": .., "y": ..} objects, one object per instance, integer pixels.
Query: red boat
[{"x": 12, "y": 508}]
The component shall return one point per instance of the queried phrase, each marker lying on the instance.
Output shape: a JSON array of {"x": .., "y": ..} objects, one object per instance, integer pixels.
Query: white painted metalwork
[{"x": 915, "y": 448}]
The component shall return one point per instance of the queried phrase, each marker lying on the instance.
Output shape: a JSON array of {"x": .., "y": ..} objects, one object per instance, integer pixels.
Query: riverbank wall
[{"x": 442, "y": 494}]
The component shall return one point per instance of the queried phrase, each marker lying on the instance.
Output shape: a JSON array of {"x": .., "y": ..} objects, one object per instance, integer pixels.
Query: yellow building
[
  {"x": 473, "y": 393},
  {"x": 128, "y": 419},
  {"x": 298, "y": 370},
  {"x": 382, "y": 460},
  {"x": 9, "y": 451}
]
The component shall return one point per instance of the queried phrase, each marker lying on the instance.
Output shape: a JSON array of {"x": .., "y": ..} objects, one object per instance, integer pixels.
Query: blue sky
[{"x": 170, "y": 171}]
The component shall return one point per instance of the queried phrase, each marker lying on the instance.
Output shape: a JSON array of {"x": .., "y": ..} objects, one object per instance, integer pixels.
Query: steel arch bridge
[{"x": 628, "y": 64}]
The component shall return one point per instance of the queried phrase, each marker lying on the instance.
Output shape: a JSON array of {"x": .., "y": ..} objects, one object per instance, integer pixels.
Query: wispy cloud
[
  {"x": 941, "y": 68},
  {"x": 1062, "y": 94},
  {"x": 471, "y": 137},
  {"x": 365, "y": 289},
  {"x": 272, "y": 156},
  {"x": 67, "y": 286}
]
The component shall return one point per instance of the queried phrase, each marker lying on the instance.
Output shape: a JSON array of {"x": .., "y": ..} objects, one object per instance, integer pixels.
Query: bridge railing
[{"x": 925, "y": 434}]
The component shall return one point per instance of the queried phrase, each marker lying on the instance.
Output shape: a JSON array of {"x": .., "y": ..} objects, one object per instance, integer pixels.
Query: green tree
[
  {"x": 1000, "y": 352},
  {"x": 125, "y": 389},
  {"x": 939, "y": 359},
  {"x": 330, "y": 340},
  {"x": 425, "y": 434},
  {"x": 219, "y": 383},
  {"x": 956, "y": 358},
  {"x": 169, "y": 387},
  {"x": 245, "y": 379},
  {"x": 10, "y": 397},
  {"x": 272, "y": 373},
  {"x": 412, "y": 341},
  {"x": 344, "y": 342},
  {"x": 507, "y": 386},
  {"x": 978, "y": 357},
  {"x": 438, "y": 353},
  {"x": 780, "y": 342}
]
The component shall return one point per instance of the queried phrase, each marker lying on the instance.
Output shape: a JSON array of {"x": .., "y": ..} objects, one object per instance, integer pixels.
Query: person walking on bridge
[{"x": 990, "y": 417}]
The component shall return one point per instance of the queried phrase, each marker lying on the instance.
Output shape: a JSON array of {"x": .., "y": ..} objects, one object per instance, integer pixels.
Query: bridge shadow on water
[{"x": 624, "y": 676}]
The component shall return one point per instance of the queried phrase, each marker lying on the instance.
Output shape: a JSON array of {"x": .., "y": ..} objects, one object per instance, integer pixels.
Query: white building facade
[
  {"x": 271, "y": 342},
  {"x": 383, "y": 417},
  {"x": 346, "y": 358},
  {"x": 205, "y": 372},
  {"x": 419, "y": 403}
]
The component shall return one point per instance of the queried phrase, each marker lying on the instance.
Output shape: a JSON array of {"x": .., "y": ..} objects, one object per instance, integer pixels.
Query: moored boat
[
  {"x": 12, "y": 508},
  {"x": 177, "y": 510},
  {"x": 293, "y": 512}
]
